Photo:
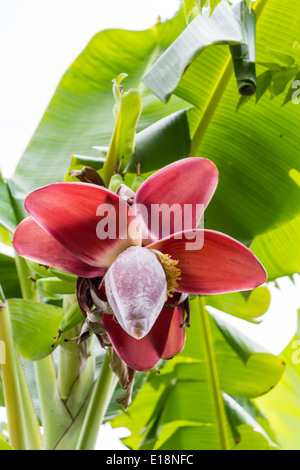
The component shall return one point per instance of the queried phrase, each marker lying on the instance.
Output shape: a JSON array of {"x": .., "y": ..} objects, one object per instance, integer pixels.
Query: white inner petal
[{"x": 136, "y": 289}]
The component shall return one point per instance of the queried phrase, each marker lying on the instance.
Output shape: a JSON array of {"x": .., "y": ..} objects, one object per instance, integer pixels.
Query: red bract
[{"x": 63, "y": 231}]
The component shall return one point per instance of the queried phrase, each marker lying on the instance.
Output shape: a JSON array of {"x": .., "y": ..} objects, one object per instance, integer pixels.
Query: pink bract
[{"x": 62, "y": 232}]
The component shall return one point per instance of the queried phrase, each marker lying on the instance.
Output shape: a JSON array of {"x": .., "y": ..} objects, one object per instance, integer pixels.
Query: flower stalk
[
  {"x": 33, "y": 433},
  {"x": 11, "y": 385},
  {"x": 100, "y": 399},
  {"x": 55, "y": 416},
  {"x": 69, "y": 357},
  {"x": 43, "y": 372}
]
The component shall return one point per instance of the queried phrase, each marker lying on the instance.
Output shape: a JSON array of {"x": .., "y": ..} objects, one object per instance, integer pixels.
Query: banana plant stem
[
  {"x": 33, "y": 433},
  {"x": 101, "y": 396},
  {"x": 31, "y": 425},
  {"x": 11, "y": 385}
]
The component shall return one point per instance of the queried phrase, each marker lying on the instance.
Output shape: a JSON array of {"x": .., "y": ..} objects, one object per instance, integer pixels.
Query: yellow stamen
[{"x": 172, "y": 273}]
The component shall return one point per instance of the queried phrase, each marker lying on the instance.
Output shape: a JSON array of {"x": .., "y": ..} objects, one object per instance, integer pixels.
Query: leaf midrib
[{"x": 213, "y": 375}]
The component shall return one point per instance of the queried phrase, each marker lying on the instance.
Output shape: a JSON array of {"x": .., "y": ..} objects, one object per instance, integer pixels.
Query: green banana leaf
[
  {"x": 5, "y": 445},
  {"x": 248, "y": 432},
  {"x": 7, "y": 216},
  {"x": 8, "y": 277},
  {"x": 194, "y": 7},
  {"x": 249, "y": 306},
  {"x": 245, "y": 368},
  {"x": 254, "y": 149},
  {"x": 1, "y": 393},
  {"x": 168, "y": 138},
  {"x": 5, "y": 237},
  {"x": 223, "y": 27},
  {"x": 278, "y": 249},
  {"x": 56, "y": 286},
  {"x": 282, "y": 405},
  {"x": 184, "y": 406},
  {"x": 127, "y": 110},
  {"x": 34, "y": 326}
]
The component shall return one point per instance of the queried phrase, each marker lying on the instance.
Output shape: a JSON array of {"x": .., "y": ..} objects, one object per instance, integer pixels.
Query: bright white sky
[{"x": 40, "y": 39}]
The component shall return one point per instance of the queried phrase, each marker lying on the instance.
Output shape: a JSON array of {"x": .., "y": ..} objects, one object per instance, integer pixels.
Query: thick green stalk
[
  {"x": 44, "y": 376},
  {"x": 108, "y": 169},
  {"x": 214, "y": 376},
  {"x": 28, "y": 288},
  {"x": 11, "y": 385},
  {"x": 33, "y": 433},
  {"x": 100, "y": 399},
  {"x": 68, "y": 367},
  {"x": 55, "y": 416},
  {"x": 217, "y": 93},
  {"x": 69, "y": 357}
]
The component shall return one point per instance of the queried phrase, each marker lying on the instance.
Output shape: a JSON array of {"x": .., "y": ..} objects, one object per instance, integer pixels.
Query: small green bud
[
  {"x": 115, "y": 182},
  {"x": 72, "y": 317},
  {"x": 56, "y": 286},
  {"x": 138, "y": 180}
]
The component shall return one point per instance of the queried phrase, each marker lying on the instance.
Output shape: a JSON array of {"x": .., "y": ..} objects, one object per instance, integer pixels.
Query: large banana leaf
[
  {"x": 245, "y": 368},
  {"x": 8, "y": 277},
  {"x": 249, "y": 433},
  {"x": 222, "y": 27},
  {"x": 249, "y": 306},
  {"x": 183, "y": 406},
  {"x": 255, "y": 149},
  {"x": 250, "y": 177},
  {"x": 282, "y": 405},
  {"x": 168, "y": 138},
  {"x": 7, "y": 215},
  {"x": 127, "y": 111},
  {"x": 279, "y": 250},
  {"x": 34, "y": 326},
  {"x": 4, "y": 445}
]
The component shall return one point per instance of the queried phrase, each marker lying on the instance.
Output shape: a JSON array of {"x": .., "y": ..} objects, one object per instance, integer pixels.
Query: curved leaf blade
[
  {"x": 7, "y": 216},
  {"x": 282, "y": 405},
  {"x": 221, "y": 28},
  {"x": 34, "y": 326},
  {"x": 250, "y": 306},
  {"x": 169, "y": 137}
]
